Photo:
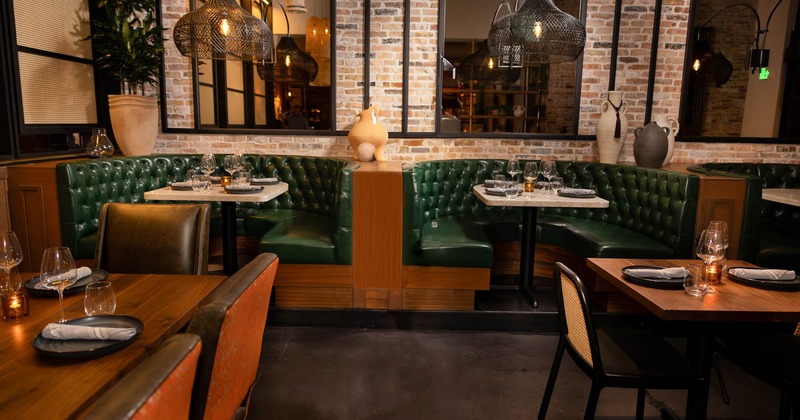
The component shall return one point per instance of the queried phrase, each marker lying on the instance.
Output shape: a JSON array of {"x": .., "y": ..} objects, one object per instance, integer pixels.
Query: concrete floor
[{"x": 346, "y": 373}]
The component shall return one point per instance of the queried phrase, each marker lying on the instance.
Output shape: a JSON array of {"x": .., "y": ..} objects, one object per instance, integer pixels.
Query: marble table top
[
  {"x": 217, "y": 193},
  {"x": 538, "y": 199},
  {"x": 789, "y": 196}
]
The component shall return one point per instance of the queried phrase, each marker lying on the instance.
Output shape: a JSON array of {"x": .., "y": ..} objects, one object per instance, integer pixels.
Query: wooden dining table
[
  {"x": 37, "y": 386},
  {"x": 732, "y": 303}
]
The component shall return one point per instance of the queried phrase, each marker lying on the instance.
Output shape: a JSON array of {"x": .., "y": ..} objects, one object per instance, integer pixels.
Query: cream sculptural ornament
[{"x": 367, "y": 129}]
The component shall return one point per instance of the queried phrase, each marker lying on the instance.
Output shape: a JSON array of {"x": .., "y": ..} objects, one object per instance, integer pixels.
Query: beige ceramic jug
[{"x": 367, "y": 129}]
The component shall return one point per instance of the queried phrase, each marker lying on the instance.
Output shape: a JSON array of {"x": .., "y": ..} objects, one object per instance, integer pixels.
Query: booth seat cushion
[
  {"x": 779, "y": 251},
  {"x": 303, "y": 239},
  {"x": 590, "y": 238},
  {"x": 455, "y": 241},
  {"x": 257, "y": 223}
]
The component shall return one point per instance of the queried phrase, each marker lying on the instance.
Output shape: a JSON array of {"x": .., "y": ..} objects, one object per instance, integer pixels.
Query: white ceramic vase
[
  {"x": 608, "y": 143},
  {"x": 674, "y": 127},
  {"x": 134, "y": 120}
]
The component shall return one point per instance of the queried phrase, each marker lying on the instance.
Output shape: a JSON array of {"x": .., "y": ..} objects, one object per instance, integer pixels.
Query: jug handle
[
  {"x": 623, "y": 108},
  {"x": 674, "y": 125},
  {"x": 356, "y": 119},
  {"x": 636, "y": 131},
  {"x": 604, "y": 107}
]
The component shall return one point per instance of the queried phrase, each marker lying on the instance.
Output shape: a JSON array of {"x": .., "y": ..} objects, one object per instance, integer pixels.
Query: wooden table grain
[{"x": 35, "y": 386}]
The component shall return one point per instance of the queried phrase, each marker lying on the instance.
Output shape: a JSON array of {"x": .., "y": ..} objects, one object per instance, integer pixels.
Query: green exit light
[{"x": 764, "y": 74}]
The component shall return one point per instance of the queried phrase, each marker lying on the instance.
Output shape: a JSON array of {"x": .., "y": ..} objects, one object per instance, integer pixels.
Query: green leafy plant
[{"x": 129, "y": 41}]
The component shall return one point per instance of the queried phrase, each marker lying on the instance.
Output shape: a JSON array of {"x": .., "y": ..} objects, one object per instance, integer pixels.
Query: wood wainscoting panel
[
  {"x": 438, "y": 300},
  {"x": 313, "y": 297},
  {"x": 311, "y": 275},
  {"x": 378, "y": 232},
  {"x": 458, "y": 278}
]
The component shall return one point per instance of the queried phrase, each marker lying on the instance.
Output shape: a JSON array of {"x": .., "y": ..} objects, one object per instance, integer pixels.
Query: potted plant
[{"x": 128, "y": 42}]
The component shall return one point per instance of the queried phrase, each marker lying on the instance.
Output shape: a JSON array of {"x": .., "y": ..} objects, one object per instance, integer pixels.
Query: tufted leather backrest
[
  {"x": 316, "y": 184},
  {"x": 656, "y": 203}
]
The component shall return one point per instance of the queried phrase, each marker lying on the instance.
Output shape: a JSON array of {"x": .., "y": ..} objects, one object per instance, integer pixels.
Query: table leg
[
  {"x": 527, "y": 251},
  {"x": 230, "y": 258},
  {"x": 699, "y": 351}
]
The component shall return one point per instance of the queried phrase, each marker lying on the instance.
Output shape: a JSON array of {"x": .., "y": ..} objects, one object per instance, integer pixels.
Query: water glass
[
  {"x": 695, "y": 283},
  {"x": 199, "y": 182},
  {"x": 241, "y": 178},
  {"x": 511, "y": 189},
  {"x": 557, "y": 183},
  {"x": 99, "y": 299}
]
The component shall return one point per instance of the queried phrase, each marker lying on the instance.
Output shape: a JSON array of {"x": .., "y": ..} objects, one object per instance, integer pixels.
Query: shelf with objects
[{"x": 485, "y": 97}]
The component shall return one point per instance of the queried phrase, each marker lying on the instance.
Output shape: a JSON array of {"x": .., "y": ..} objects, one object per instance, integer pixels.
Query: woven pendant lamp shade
[
  {"x": 537, "y": 33},
  {"x": 299, "y": 68},
  {"x": 476, "y": 67},
  {"x": 222, "y": 30}
]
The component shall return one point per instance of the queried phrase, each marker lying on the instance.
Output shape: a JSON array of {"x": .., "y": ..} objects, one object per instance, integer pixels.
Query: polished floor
[{"x": 374, "y": 365}]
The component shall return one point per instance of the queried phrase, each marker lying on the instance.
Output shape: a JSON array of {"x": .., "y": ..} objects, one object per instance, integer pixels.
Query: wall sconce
[{"x": 759, "y": 55}]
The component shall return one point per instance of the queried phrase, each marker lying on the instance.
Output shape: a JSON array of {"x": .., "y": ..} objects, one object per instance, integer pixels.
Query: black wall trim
[
  {"x": 576, "y": 104},
  {"x": 367, "y": 53},
  {"x": 612, "y": 75},
  {"x": 651, "y": 76},
  {"x": 439, "y": 75},
  {"x": 406, "y": 58}
]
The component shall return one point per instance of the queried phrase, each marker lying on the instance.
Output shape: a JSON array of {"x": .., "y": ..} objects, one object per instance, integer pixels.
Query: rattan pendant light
[
  {"x": 222, "y": 30},
  {"x": 481, "y": 67},
  {"x": 291, "y": 64},
  {"x": 538, "y": 32}
]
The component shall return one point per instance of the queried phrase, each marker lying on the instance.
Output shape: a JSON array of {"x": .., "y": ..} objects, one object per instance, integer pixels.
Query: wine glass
[
  {"x": 549, "y": 171},
  {"x": 240, "y": 161},
  {"x": 513, "y": 168},
  {"x": 229, "y": 163},
  {"x": 57, "y": 273},
  {"x": 10, "y": 257},
  {"x": 721, "y": 227},
  {"x": 208, "y": 164},
  {"x": 530, "y": 173},
  {"x": 711, "y": 251}
]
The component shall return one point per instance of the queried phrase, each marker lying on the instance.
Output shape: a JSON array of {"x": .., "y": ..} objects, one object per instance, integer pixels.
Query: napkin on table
[
  {"x": 578, "y": 191},
  {"x": 762, "y": 273},
  {"x": 488, "y": 183},
  {"x": 56, "y": 331},
  {"x": 83, "y": 272},
  {"x": 499, "y": 191},
  {"x": 264, "y": 180},
  {"x": 242, "y": 188},
  {"x": 181, "y": 184},
  {"x": 657, "y": 273}
]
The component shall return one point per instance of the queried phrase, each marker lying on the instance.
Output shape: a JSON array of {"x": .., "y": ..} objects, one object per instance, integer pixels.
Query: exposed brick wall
[{"x": 633, "y": 65}]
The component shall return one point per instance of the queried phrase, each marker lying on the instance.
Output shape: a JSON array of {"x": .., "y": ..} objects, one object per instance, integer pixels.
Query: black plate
[
  {"x": 676, "y": 283},
  {"x": 572, "y": 195},
  {"x": 783, "y": 285},
  {"x": 248, "y": 191},
  {"x": 97, "y": 275},
  {"x": 87, "y": 349}
]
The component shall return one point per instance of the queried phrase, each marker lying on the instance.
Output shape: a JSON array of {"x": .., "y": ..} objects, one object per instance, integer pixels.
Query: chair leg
[
  {"x": 594, "y": 396},
  {"x": 723, "y": 389},
  {"x": 551, "y": 380},
  {"x": 785, "y": 412},
  {"x": 640, "y": 403}
]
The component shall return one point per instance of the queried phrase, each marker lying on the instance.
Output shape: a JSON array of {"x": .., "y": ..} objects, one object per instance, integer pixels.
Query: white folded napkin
[
  {"x": 242, "y": 188},
  {"x": 488, "y": 183},
  {"x": 763, "y": 274},
  {"x": 578, "y": 191},
  {"x": 656, "y": 273},
  {"x": 55, "y": 331},
  {"x": 181, "y": 184},
  {"x": 215, "y": 179},
  {"x": 500, "y": 191},
  {"x": 264, "y": 180},
  {"x": 83, "y": 272}
]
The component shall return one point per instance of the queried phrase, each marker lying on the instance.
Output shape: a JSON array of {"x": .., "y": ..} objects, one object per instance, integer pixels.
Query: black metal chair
[{"x": 619, "y": 357}]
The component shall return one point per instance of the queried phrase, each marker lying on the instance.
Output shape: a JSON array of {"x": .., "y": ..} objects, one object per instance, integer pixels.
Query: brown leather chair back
[
  {"x": 159, "y": 388},
  {"x": 231, "y": 324},
  {"x": 153, "y": 238}
]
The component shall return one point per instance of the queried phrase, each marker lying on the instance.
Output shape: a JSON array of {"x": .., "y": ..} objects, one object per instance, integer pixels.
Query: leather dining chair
[
  {"x": 158, "y": 388},
  {"x": 153, "y": 238},
  {"x": 231, "y": 324},
  {"x": 618, "y": 357}
]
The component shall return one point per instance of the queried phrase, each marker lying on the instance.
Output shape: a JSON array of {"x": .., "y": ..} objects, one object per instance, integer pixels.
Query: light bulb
[
  {"x": 327, "y": 31},
  {"x": 537, "y": 30},
  {"x": 224, "y": 27},
  {"x": 314, "y": 30},
  {"x": 696, "y": 64},
  {"x": 288, "y": 61},
  {"x": 289, "y": 93},
  {"x": 491, "y": 63}
]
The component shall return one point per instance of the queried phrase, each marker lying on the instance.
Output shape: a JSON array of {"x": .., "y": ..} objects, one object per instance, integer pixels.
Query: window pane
[
  {"x": 234, "y": 74},
  {"x": 58, "y": 26},
  {"x": 56, "y": 91},
  {"x": 235, "y": 108},
  {"x": 207, "y": 108},
  {"x": 261, "y": 110}
]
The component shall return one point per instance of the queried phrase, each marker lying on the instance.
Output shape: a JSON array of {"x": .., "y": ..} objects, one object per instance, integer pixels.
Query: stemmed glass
[
  {"x": 10, "y": 257},
  {"x": 530, "y": 173},
  {"x": 549, "y": 171},
  {"x": 208, "y": 164},
  {"x": 513, "y": 168},
  {"x": 57, "y": 273},
  {"x": 240, "y": 161},
  {"x": 230, "y": 164},
  {"x": 721, "y": 227},
  {"x": 711, "y": 249}
]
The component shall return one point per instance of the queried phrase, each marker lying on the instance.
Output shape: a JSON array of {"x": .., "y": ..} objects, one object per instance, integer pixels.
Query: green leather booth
[
  {"x": 770, "y": 231},
  {"x": 651, "y": 213},
  {"x": 309, "y": 224}
]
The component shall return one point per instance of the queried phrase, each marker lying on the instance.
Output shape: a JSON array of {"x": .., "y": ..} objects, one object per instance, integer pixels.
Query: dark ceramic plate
[
  {"x": 251, "y": 190},
  {"x": 657, "y": 283},
  {"x": 34, "y": 288},
  {"x": 87, "y": 349},
  {"x": 782, "y": 285},
  {"x": 576, "y": 195}
]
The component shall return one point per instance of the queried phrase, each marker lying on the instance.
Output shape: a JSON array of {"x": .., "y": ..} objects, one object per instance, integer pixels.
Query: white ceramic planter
[{"x": 134, "y": 120}]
